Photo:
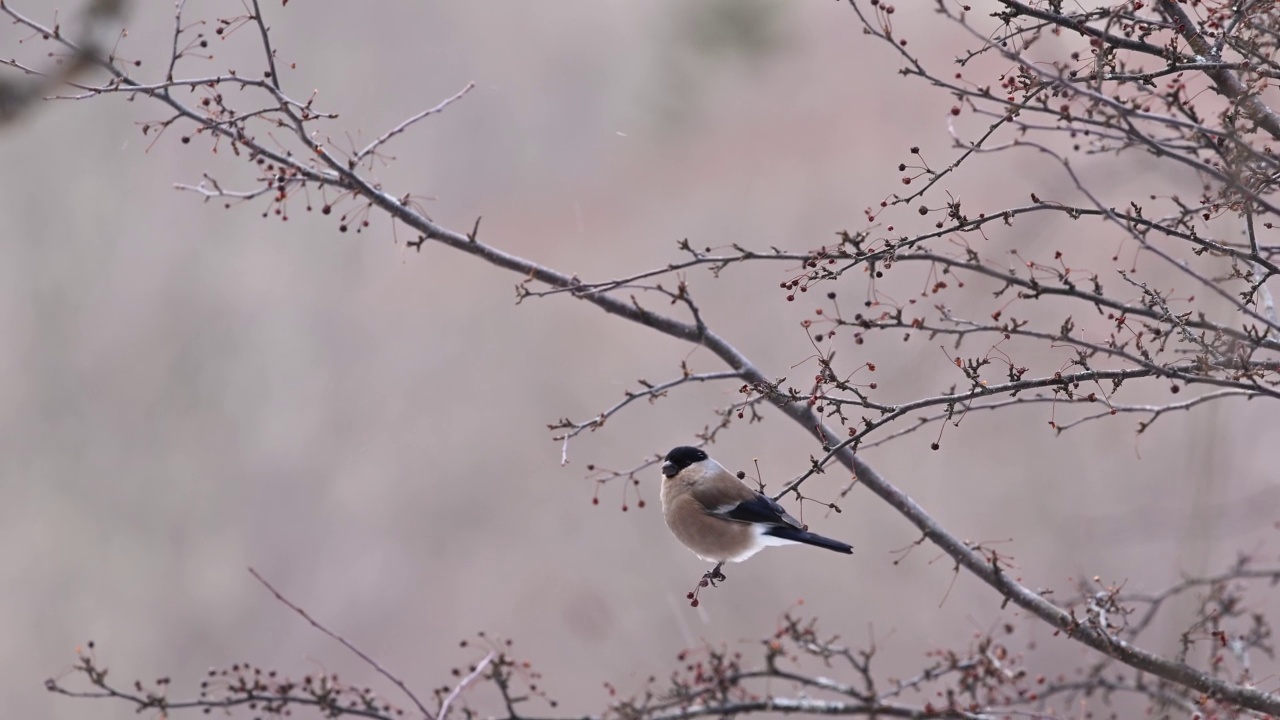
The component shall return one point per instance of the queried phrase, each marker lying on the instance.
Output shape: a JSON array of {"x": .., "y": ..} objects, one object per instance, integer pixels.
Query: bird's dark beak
[{"x": 669, "y": 469}]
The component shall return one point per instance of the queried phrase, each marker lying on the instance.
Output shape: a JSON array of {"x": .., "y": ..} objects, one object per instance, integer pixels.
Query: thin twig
[
  {"x": 463, "y": 684},
  {"x": 373, "y": 146},
  {"x": 357, "y": 651}
]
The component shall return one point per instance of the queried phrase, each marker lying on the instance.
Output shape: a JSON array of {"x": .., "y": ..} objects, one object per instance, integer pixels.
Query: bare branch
[
  {"x": 382, "y": 139},
  {"x": 343, "y": 641}
]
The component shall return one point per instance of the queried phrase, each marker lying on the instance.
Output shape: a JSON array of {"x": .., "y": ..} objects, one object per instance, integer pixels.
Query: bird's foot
[
  {"x": 711, "y": 577},
  {"x": 714, "y": 575}
]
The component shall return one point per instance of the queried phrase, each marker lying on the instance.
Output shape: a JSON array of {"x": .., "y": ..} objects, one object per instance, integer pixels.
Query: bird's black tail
[{"x": 808, "y": 538}]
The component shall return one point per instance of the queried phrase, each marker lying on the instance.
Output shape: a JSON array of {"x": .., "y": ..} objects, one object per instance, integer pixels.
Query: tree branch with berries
[{"x": 1165, "y": 290}]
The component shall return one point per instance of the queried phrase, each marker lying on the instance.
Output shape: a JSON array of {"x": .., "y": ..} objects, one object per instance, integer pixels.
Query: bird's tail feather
[{"x": 808, "y": 538}]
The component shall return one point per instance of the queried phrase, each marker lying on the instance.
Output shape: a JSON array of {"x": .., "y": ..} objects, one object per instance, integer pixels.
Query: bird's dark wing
[{"x": 759, "y": 509}]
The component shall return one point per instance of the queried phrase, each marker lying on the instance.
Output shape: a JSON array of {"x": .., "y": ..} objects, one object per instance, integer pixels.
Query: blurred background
[{"x": 188, "y": 391}]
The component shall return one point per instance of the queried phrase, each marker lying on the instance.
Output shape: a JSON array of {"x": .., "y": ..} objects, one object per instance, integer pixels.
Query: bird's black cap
[{"x": 680, "y": 458}]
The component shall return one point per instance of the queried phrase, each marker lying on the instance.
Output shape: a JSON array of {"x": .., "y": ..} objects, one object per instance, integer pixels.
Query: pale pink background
[{"x": 186, "y": 391}]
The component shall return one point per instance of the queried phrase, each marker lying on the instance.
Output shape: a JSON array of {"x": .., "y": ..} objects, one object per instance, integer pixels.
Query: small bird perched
[{"x": 720, "y": 518}]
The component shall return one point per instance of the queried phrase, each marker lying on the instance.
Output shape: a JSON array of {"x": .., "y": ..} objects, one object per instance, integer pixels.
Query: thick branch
[
  {"x": 1227, "y": 82},
  {"x": 964, "y": 555}
]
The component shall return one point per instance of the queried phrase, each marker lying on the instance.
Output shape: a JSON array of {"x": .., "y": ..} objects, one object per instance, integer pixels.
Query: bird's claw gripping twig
[
  {"x": 714, "y": 575},
  {"x": 711, "y": 577}
]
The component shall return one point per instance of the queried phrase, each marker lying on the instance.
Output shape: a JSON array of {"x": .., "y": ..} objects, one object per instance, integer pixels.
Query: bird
[{"x": 720, "y": 518}]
